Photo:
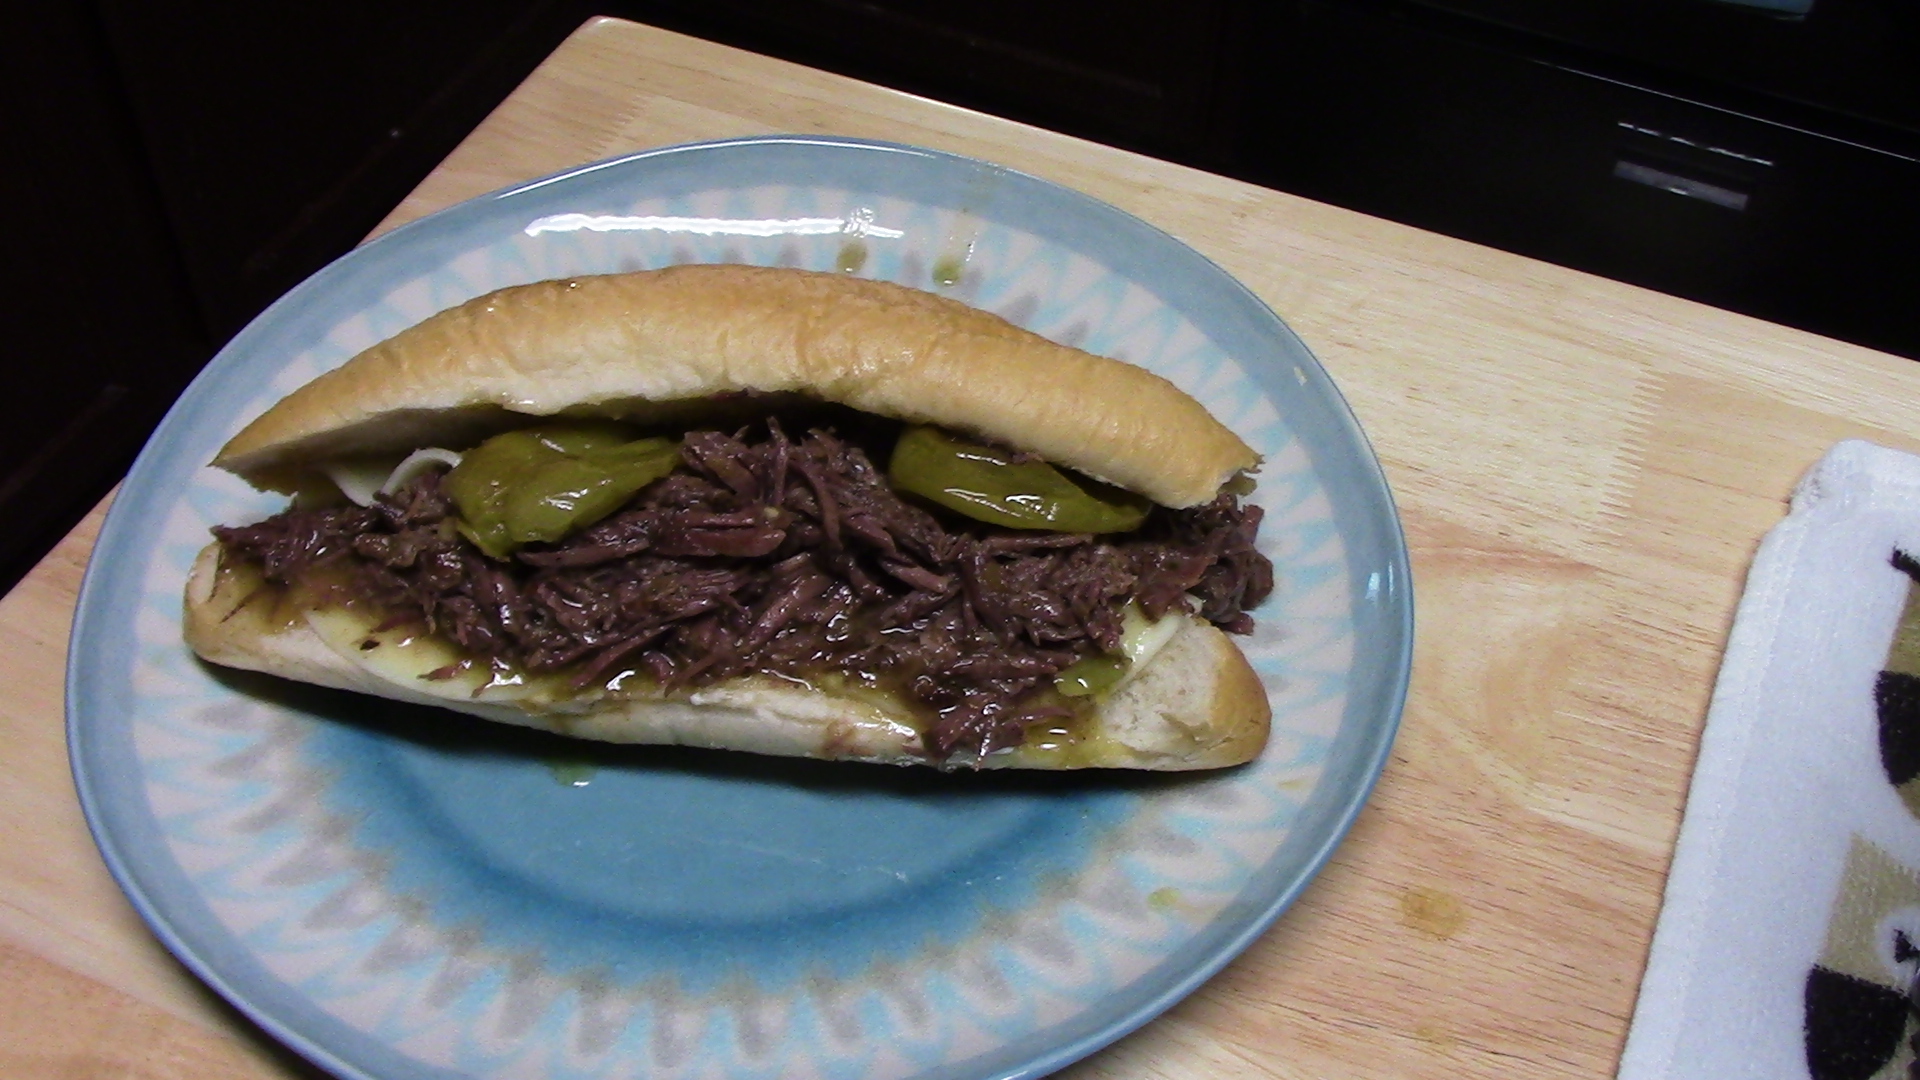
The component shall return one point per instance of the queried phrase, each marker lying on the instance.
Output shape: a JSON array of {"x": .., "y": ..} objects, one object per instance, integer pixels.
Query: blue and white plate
[{"x": 404, "y": 893}]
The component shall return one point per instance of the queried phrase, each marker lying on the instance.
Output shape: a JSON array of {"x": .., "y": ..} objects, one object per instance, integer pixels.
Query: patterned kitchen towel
[{"x": 1789, "y": 939}]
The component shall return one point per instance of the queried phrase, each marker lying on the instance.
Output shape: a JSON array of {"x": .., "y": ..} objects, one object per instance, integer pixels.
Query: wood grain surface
[{"x": 1584, "y": 470}]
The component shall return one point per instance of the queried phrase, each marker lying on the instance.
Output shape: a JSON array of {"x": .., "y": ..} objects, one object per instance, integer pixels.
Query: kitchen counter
[{"x": 1583, "y": 468}]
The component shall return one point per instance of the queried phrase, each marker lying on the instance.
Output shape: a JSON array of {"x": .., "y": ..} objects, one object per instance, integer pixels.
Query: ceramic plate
[{"x": 401, "y": 893}]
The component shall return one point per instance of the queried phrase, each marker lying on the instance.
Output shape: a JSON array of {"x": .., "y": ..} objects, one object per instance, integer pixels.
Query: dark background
[{"x": 174, "y": 168}]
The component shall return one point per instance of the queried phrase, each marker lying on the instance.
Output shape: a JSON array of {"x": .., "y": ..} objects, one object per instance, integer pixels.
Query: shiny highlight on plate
[{"x": 858, "y": 223}]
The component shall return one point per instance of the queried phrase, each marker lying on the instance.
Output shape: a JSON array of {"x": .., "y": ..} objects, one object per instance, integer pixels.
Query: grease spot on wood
[
  {"x": 1433, "y": 912},
  {"x": 1432, "y": 1034}
]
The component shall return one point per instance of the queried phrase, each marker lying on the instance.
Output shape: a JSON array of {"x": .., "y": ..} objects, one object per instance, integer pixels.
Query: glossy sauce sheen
[{"x": 438, "y": 667}]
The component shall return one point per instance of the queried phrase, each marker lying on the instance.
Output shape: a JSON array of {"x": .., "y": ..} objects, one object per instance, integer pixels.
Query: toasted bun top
[{"x": 658, "y": 343}]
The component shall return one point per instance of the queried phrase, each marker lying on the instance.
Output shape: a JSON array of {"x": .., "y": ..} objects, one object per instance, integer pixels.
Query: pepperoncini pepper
[
  {"x": 993, "y": 486},
  {"x": 538, "y": 484}
]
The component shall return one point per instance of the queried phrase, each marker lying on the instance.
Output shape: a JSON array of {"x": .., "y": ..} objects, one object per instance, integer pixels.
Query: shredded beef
[{"x": 763, "y": 553}]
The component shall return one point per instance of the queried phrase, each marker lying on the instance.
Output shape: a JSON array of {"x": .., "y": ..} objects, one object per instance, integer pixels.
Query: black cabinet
[
  {"x": 1643, "y": 175},
  {"x": 1160, "y": 76},
  {"x": 171, "y": 169},
  {"x": 277, "y": 133},
  {"x": 1841, "y": 61},
  {"x": 100, "y": 327}
]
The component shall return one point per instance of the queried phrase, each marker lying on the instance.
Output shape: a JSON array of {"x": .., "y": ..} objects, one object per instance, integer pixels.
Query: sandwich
[{"x": 756, "y": 509}]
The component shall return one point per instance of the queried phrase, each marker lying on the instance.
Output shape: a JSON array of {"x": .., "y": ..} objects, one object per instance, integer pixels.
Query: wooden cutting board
[{"x": 1583, "y": 468}]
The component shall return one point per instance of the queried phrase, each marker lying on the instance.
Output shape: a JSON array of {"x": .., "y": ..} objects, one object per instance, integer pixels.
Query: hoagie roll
[{"x": 756, "y": 509}]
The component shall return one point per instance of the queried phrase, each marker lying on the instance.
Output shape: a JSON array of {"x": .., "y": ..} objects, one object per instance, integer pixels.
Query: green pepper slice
[
  {"x": 989, "y": 485},
  {"x": 539, "y": 484}
]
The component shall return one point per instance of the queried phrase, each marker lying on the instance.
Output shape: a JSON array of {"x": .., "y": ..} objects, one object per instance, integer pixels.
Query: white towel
[{"x": 1789, "y": 937}]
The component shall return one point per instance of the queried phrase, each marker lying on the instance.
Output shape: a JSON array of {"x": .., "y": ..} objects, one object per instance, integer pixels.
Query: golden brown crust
[
  {"x": 631, "y": 344},
  {"x": 1197, "y": 705}
]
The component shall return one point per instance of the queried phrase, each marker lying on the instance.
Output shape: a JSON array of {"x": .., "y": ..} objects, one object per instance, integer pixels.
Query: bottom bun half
[{"x": 1197, "y": 704}]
